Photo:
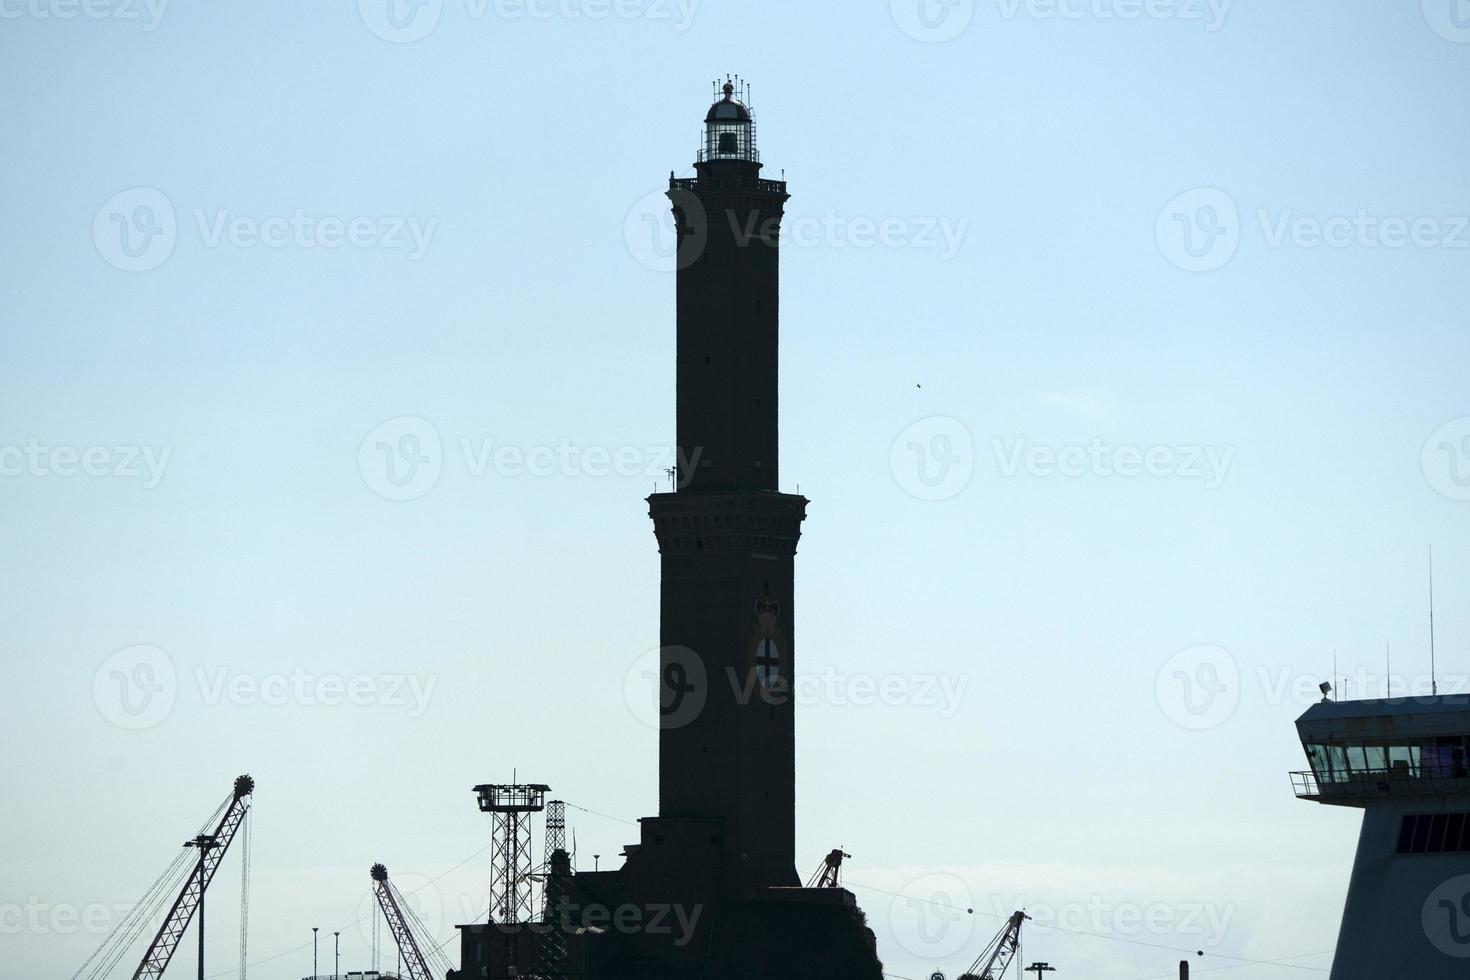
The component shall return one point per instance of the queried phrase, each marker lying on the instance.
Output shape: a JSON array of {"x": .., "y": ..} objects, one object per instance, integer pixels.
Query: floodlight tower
[{"x": 510, "y": 806}]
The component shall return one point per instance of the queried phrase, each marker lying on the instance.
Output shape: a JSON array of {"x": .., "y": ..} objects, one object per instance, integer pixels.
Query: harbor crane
[
  {"x": 396, "y": 911},
  {"x": 996, "y": 958},
  {"x": 829, "y": 874},
  {"x": 211, "y": 844}
]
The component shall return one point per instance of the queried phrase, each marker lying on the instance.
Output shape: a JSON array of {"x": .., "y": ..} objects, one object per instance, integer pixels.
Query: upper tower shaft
[{"x": 729, "y": 221}]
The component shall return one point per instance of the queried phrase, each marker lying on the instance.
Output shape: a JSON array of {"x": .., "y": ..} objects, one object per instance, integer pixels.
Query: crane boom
[
  {"x": 995, "y": 959},
  {"x": 830, "y": 873},
  {"x": 161, "y": 950},
  {"x": 413, "y": 957}
]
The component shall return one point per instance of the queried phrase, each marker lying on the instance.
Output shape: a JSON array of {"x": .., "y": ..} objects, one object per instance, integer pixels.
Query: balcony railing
[
  {"x": 1360, "y": 784},
  {"x": 719, "y": 184}
]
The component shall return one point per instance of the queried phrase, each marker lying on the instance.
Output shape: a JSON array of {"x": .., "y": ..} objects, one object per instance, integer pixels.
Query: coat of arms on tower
[{"x": 765, "y": 642}]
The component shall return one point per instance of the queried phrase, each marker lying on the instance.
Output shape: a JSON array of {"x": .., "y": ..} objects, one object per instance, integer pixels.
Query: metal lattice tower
[
  {"x": 552, "y": 955},
  {"x": 510, "y": 807}
]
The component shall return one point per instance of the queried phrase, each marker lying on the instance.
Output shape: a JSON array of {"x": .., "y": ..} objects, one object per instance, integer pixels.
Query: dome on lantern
[{"x": 728, "y": 109}]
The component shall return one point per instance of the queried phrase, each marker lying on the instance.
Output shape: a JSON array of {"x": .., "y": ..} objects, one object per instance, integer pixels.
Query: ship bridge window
[
  {"x": 1445, "y": 757},
  {"x": 1437, "y": 833}
]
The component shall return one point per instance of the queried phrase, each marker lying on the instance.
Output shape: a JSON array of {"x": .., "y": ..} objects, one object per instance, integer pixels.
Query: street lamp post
[
  {"x": 313, "y": 952},
  {"x": 337, "y": 956},
  {"x": 205, "y": 843}
]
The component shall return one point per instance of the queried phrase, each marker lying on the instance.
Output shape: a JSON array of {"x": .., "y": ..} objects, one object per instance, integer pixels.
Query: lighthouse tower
[
  {"x": 710, "y": 890},
  {"x": 727, "y": 536}
]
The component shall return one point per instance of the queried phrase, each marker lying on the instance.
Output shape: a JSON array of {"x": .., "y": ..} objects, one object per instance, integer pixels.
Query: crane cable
[
  {"x": 116, "y": 944},
  {"x": 245, "y": 831}
]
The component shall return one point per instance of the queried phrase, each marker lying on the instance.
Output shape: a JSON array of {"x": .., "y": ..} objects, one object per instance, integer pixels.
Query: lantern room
[{"x": 729, "y": 128}]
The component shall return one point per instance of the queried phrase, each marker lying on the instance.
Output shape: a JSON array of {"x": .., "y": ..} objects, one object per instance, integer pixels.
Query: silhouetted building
[
  {"x": 1405, "y": 762},
  {"x": 710, "y": 890}
]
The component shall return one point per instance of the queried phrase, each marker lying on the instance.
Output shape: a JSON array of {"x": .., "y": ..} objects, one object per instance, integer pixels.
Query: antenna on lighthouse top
[{"x": 1433, "y": 678}]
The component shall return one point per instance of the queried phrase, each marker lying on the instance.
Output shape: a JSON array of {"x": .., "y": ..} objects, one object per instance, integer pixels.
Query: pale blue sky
[{"x": 1074, "y": 773}]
